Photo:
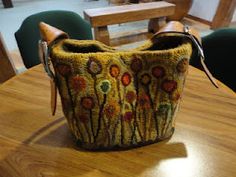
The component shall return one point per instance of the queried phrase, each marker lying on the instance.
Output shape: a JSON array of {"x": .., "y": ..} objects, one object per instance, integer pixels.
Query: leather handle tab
[
  {"x": 43, "y": 56},
  {"x": 175, "y": 26},
  {"x": 49, "y": 35}
]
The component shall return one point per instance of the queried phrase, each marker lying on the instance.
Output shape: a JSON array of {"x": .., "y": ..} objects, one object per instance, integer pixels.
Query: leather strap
[
  {"x": 49, "y": 35},
  {"x": 193, "y": 35},
  {"x": 175, "y": 26}
]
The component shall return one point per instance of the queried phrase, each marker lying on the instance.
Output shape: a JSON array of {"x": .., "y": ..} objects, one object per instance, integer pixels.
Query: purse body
[{"x": 121, "y": 99}]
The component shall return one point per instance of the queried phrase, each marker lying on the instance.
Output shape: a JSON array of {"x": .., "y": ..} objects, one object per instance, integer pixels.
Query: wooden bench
[{"x": 99, "y": 18}]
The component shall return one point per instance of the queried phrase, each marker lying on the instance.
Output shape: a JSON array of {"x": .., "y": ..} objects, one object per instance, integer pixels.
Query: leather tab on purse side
[
  {"x": 175, "y": 26},
  {"x": 49, "y": 33}
]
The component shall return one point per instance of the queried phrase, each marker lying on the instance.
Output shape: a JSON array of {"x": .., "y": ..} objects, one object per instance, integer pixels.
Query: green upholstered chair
[
  {"x": 28, "y": 35},
  {"x": 220, "y": 55}
]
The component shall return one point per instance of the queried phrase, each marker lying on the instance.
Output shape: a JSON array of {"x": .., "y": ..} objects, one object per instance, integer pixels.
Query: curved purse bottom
[{"x": 95, "y": 147}]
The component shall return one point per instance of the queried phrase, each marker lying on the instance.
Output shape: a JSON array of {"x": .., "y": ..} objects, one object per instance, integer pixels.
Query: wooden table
[
  {"x": 33, "y": 143},
  {"x": 100, "y": 18}
]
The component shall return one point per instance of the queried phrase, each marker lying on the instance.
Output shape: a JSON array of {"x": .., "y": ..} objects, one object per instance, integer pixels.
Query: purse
[{"x": 119, "y": 99}]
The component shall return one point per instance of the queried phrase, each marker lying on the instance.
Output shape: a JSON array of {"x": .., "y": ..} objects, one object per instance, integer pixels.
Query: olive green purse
[{"x": 118, "y": 99}]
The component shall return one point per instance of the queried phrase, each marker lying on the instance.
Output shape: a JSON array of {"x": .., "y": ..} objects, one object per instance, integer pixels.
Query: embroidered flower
[
  {"x": 128, "y": 116},
  {"x": 158, "y": 72},
  {"x": 126, "y": 79},
  {"x": 114, "y": 71},
  {"x": 64, "y": 70},
  {"x": 130, "y": 97},
  {"x": 136, "y": 65},
  {"x": 83, "y": 118},
  {"x": 104, "y": 86},
  {"x": 163, "y": 108},
  {"x": 87, "y": 102},
  {"x": 94, "y": 66},
  {"x": 169, "y": 86},
  {"x": 182, "y": 66},
  {"x": 78, "y": 83},
  {"x": 144, "y": 101},
  {"x": 145, "y": 79},
  {"x": 111, "y": 109}
]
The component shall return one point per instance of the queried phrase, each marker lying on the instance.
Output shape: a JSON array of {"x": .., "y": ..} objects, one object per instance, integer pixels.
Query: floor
[{"x": 11, "y": 19}]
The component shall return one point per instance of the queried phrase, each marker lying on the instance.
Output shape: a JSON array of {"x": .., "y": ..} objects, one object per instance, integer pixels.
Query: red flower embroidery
[
  {"x": 136, "y": 65},
  {"x": 114, "y": 71},
  {"x": 87, "y": 103},
  {"x": 126, "y": 79},
  {"x": 111, "y": 110},
  {"x": 169, "y": 86},
  {"x": 78, "y": 83},
  {"x": 128, "y": 116},
  {"x": 144, "y": 101},
  {"x": 158, "y": 72},
  {"x": 130, "y": 96}
]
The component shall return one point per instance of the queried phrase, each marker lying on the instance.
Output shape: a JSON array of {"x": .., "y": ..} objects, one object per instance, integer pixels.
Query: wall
[{"x": 204, "y": 9}]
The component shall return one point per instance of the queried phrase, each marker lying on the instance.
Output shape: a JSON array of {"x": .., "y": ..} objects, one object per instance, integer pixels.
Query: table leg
[
  {"x": 101, "y": 34},
  {"x": 7, "y": 3},
  {"x": 155, "y": 24}
]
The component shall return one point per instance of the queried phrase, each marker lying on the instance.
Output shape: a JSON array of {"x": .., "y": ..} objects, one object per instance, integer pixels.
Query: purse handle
[{"x": 193, "y": 35}]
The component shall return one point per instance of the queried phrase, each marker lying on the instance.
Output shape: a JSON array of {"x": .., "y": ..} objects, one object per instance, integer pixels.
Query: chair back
[
  {"x": 219, "y": 50},
  {"x": 28, "y": 35}
]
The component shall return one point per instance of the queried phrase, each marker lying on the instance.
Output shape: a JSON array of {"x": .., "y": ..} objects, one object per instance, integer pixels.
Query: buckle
[{"x": 44, "y": 58}]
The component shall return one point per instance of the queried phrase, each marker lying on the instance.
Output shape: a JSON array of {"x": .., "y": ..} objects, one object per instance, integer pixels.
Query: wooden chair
[
  {"x": 219, "y": 50},
  {"x": 6, "y": 66},
  {"x": 27, "y": 36}
]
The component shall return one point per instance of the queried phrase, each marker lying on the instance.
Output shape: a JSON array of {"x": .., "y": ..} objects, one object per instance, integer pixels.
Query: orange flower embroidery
[
  {"x": 126, "y": 79},
  {"x": 87, "y": 103},
  {"x": 114, "y": 71},
  {"x": 78, "y": 83}
]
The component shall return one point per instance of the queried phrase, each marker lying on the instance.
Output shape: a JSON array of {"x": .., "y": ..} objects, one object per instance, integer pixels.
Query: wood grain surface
[
  {"x": 33, "y": 143},
  {"x": 128, "y": 13}
]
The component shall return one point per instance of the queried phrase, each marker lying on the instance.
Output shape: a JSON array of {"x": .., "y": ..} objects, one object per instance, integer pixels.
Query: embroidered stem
[
  {"x": 73, "y": 107},
  {"x": 91, "y": 121},
  {"x": 100, "y": 116}
]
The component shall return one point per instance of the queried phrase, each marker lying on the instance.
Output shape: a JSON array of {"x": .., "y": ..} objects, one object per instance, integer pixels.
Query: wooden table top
[{"x": 33, "y": 143}]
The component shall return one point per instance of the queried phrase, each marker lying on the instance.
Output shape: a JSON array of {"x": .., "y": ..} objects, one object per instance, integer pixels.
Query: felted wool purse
[{"x": 118, "y": 99}]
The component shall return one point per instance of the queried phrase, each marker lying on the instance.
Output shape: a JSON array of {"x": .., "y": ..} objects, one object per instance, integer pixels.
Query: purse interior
[{"x": 156, "y": 43}]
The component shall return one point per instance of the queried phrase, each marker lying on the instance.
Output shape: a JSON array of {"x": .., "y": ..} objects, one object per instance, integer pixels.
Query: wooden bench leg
[
  {"x": 155, "y": 24},
  {"x": 101, "y": 34},
  {"x": 7, "y": 3}
]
